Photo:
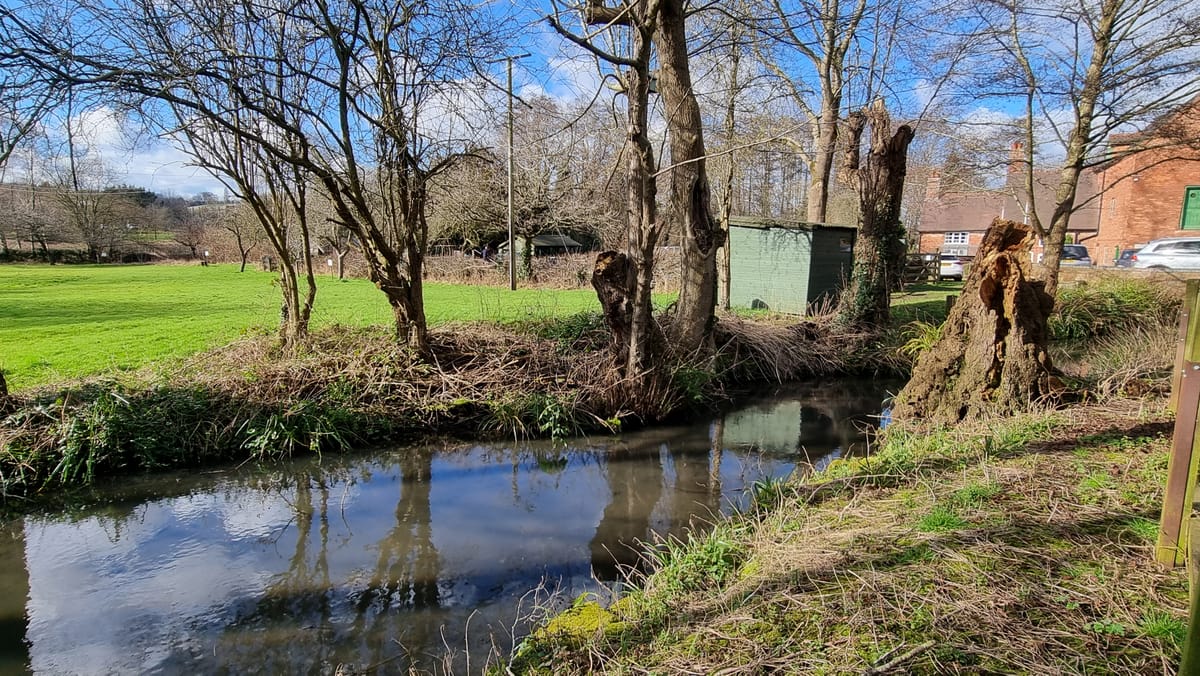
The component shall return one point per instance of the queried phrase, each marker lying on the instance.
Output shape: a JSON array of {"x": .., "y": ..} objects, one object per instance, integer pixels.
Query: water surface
[{"x": 425, "y": 557}]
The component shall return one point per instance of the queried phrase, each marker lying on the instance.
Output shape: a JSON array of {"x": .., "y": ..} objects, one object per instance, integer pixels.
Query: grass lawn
[{"x": 68, "y": 321}]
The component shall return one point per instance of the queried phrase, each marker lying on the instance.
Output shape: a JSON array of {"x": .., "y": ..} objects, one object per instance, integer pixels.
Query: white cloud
[{"x": 572, "y": 77}]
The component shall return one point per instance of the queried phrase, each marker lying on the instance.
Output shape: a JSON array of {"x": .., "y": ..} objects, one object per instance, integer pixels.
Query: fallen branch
[{"x": 878, "y": 668}]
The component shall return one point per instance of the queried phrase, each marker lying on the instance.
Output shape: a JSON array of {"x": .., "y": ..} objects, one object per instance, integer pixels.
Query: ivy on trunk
[{"x": 879, "y": 251}]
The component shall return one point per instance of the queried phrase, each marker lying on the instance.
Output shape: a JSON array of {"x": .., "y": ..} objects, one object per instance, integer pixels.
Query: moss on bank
[{"x": 1025, "y": 547}]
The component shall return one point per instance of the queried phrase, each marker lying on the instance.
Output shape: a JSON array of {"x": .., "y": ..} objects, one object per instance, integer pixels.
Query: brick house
[
  {"x": 954, "y": 221},
  {"x": 1154, "y": 192},
  {"x": 1124, "y": 203}
]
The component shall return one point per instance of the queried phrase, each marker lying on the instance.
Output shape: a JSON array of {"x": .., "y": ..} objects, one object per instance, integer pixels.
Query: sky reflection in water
[{"x": 385, "y": 559}]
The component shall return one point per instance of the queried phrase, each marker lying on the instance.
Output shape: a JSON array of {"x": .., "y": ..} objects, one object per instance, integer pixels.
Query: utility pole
[{"x": 512, "y": 249}]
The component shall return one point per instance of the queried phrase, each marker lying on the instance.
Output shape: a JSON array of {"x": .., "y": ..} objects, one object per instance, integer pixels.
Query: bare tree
[
  {"x": 25, "y": 97},
  {"x": 274, "y": 187},
  {"x": 385, "y": 87},
  {"x": 822, "y": 32},
  {"x": 1109, "y": 66},
  {"x": 690, "y": 192},
  {"x": 623, "y": 280},
  {"x": 245, "y": 228},
  {"x": 80, "y": 175},
  {"x": 559, "y": 155},
  {"x": 190, "y": 230}
]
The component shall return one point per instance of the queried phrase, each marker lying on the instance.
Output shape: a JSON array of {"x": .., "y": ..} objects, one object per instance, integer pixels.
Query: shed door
[{"x": 1190, "y": 220}]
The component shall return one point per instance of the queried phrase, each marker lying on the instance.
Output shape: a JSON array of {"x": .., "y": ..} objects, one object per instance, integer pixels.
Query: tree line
[{"x": 380, "y": 112}]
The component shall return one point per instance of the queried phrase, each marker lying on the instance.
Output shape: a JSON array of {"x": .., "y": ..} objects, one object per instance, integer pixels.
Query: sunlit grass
[{"x": 67, "y": 321}]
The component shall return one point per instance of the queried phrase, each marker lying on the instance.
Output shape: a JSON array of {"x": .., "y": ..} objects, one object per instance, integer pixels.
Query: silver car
[{"x": 1169, "y": 253}]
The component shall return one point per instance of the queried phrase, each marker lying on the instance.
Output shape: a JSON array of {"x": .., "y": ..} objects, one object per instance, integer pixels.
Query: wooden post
[
  {"x": 1185, "y": 456},
  {"x": 1185, "y": 313},
  {"x": 1189, "y": 301},
  {"x": 1190, "y": 660}
]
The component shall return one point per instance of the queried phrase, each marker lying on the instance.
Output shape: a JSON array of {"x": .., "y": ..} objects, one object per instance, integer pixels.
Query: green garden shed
[{"x": 787, "y": 266}]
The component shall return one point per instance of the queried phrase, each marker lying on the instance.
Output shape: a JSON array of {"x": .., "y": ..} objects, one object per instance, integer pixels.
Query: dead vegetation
[
  {"x": 563, "y": 271},
  {"x": 350, "y": 387}
]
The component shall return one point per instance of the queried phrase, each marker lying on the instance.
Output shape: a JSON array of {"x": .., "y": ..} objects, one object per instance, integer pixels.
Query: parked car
[
  {"x": 1125, "y": 259},
  {"x": 1169, "y": 253},
  {"x": 1074, "y": 255},
  {"x": 950, "y": 267}
]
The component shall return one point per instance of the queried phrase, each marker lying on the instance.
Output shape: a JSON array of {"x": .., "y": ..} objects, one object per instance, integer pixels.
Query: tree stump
[
  {"x": 611, "y": 279},
  {"x": 991, "y": 357}
]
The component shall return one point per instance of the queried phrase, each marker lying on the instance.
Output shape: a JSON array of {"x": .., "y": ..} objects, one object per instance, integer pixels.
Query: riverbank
[
  {"x": 1024, "y": 546},
  {"x": 351, "y": 388}
]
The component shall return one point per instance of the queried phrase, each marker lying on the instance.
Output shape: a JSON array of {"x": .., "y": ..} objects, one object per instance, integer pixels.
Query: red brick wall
[
  {"x": 932, "y": 242},
  {"x": 1144, "y": 197},
  {"x": 1146, "y": 205}
]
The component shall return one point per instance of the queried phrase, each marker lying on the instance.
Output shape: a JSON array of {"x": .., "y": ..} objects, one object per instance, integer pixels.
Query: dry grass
[
  {"x": 759, "y": 351},
  {"x": 1025, "y": 548},
  {"x": 1133, "y": 362}
]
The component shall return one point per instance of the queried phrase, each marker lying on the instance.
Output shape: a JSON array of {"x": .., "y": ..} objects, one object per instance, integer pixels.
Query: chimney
[
  {"x": 1016, "y": 164},
  {"x": 933, "y": 185}
]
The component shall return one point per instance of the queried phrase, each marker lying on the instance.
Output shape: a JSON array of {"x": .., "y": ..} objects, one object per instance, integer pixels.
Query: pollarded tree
[
  {"x": 659, "y": 26},
  {"x": 879, "y": 182},
  {"x": 624, "y": 280}
]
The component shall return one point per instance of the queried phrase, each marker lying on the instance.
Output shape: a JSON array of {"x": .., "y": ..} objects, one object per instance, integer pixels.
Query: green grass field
[{"x": 61, "y": 321}]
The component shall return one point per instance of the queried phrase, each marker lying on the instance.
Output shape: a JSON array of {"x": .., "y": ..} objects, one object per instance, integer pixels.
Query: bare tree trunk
[
  {"x": 611, "y": 278},
  {"x": 723, "y": 256},
  {"x": 690, "y": 198},
  {"x": 417, "y": 335},
  {"x": 825, "y": 139},
  {"x": 642, "y": 217},
  {"x": 879, "y": 250},
  {"x": 991, "y": 358},
  {"x": 1079, "y": 139}
]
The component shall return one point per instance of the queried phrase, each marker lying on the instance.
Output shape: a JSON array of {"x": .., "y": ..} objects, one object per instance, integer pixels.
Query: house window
[
  {"x": 1190, "y": 218},
  {"x": 958, "y": 238}
]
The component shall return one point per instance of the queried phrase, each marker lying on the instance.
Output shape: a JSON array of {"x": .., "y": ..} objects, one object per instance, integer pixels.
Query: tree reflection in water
[{"x": 364, "y": 561}]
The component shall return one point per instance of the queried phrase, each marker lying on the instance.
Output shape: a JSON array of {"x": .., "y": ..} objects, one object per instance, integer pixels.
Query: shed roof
[
  {"x": 555, "y": 239},
  {"x": 767, "y": 223}
]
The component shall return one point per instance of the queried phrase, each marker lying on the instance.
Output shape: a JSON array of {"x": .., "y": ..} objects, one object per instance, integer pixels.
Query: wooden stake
[
  {"x": 1190, "y": 662},
  {"x": 1185, "y": 456},
  {"x": 1189, "y": 302}
]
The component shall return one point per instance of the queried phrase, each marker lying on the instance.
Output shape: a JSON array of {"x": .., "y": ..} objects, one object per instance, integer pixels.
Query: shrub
[{"x": 1111, "y": 305}]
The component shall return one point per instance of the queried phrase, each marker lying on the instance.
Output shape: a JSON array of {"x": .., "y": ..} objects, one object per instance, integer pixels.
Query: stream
[{"x": 432, "y": 556}]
